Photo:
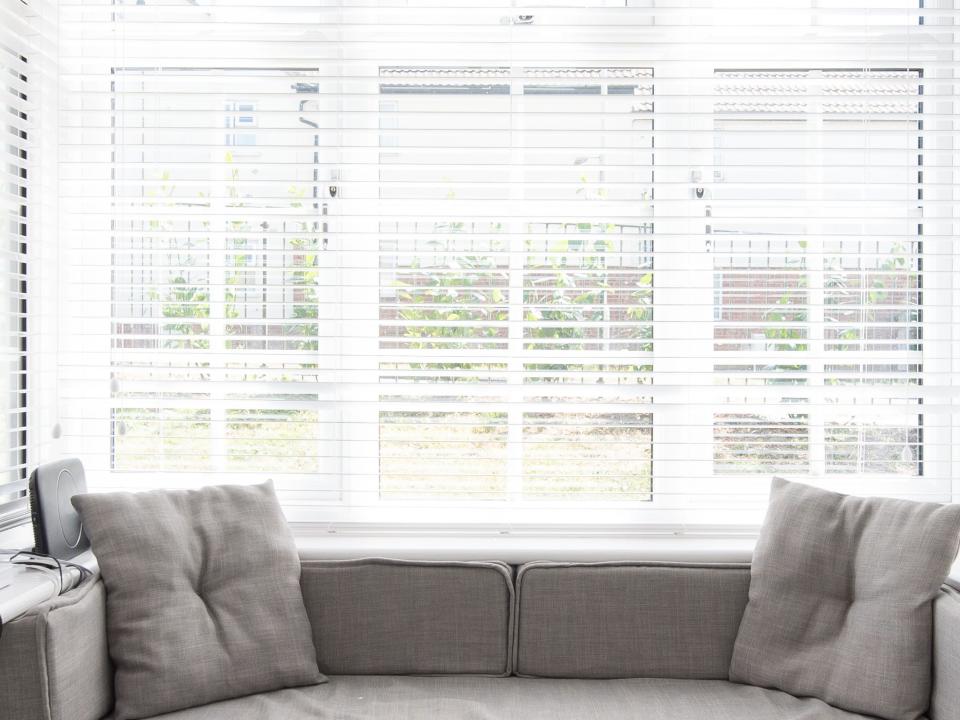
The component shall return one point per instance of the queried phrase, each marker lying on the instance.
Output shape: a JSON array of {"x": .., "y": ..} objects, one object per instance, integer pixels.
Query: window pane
[
  {"x": 599, "y": 456},
  {"x": 818, "y": 149},
  {"x": 497, "y": 313},
  {"x": 443, "y": 454}
]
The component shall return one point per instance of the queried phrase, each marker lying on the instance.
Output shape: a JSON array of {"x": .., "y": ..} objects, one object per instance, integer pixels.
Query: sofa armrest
[
  {"x": 945, "y": 700},
  {"x": 53, "y": 660}
]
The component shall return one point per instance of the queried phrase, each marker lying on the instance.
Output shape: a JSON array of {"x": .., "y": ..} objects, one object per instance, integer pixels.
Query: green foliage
[
  {"x": 188, "y": 303},
  {"x": 565, "y": 287}
]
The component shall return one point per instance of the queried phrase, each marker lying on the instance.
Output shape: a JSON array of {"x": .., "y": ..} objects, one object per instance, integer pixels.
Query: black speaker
[{"x": 57, "y": 529}]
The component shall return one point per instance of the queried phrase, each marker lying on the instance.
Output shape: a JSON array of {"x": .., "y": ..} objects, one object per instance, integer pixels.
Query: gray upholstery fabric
[
  {"x": 390, "y": 617},
  {"x": 469, "y": 698},
  {"x": 23, "y": 693},
  {"x": 619, "y": 620},
  {"x": 841, "y": 597},
  {"x": 53, "y": 661},
  {"x": 79, "y": 673},
  {"x": 203, "y": 596},
  {"x": 945, "y": 700}
]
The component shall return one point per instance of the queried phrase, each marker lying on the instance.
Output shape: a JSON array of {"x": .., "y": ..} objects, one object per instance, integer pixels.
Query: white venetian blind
[
  {"x": 27, "y": 242},
  {"x": 550, "y": 261}
]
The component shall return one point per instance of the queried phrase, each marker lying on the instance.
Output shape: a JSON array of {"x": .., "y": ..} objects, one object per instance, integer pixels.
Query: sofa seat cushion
[
  {"x": 609, "y": 620},
  {"x": 398, "y": 617},
  {"x": 372, "y": 697}
]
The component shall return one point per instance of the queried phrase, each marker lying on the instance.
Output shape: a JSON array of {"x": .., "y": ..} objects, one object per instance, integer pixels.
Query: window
[
  {"x": 25, "y": 223},
  {"x": 215, "y": 274},
  {"x": 611, "y": 263},
  {"x": 814, "y": 325},
  {"x": 515, "y": 334}
]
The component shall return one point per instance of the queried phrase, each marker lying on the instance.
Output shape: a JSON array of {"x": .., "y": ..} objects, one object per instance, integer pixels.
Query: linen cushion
[
  {"x": 840, "y": 601},
  {"x": 397, "y": 617},
  {"x": 373, "y": 697},
  {"x": 203, "y": 596},
  {"x": 628, "y": 619}
]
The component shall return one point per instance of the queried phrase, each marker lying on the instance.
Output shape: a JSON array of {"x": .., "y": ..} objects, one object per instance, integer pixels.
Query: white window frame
[{"x": 674, "y": 423}]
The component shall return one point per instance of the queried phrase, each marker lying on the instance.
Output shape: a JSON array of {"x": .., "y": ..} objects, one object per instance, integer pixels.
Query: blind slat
[{"x": 641, "y": 254}]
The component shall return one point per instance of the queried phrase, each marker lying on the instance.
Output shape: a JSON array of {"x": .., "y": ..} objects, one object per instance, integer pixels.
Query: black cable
[
  {"x": 30, "y": 553},
  {"x": 85, "y": 573}
]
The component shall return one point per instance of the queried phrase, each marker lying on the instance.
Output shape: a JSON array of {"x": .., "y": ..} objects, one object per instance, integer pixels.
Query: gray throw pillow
[
  {"x": 203, "y": 596},
  {"x": 840, "y": 602}
]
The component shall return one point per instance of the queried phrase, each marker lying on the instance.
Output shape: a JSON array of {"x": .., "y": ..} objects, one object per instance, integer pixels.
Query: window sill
[
  {"x": 323, "y": 544},
  {"x": 516, "y": 549},
  {"x": 520, "y": 548}
]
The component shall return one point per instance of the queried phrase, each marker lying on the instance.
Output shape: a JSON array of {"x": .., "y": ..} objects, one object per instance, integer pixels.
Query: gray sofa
[{"x": 470, "y": 640}]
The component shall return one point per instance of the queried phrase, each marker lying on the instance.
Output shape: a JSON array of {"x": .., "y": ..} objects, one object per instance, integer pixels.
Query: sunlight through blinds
[
  {"x": 28, "y": 221},
  {"x": 555, "y": 261}
]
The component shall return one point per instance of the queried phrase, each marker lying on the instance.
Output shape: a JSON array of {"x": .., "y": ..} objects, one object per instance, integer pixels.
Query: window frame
[
  {"x": 929, "y": 484},
  {"x": 671, "y": 280},
  {"x": 16, "y": 511}
]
